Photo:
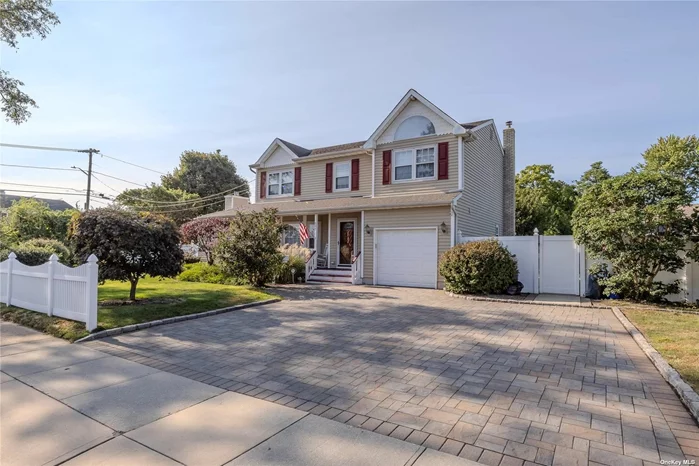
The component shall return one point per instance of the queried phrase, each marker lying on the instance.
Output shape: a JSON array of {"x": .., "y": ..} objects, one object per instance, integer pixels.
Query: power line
[
  {"x": 120, "y": 179},
  {"x": 133, "y": 164},
  {"x": 42, "y": 186},
  {"x": 36, "y": 167},
  {"x": 24, "y": 146},
  {"x": 43, "y": 192}
]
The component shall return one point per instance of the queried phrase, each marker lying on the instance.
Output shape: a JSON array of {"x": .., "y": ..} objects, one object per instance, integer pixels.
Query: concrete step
[
  {"x": 330, "y": 278},
  {"x": 333, "y": 272}
]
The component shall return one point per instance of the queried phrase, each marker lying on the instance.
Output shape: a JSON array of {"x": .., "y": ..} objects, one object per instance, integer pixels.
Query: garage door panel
[{"x": 406, "y": 257}]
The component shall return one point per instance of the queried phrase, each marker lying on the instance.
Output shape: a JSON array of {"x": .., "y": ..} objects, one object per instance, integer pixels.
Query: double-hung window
[
  {"x": 414, "y": 164},
  {"x": 342, "y": 176},
  {"x": 280, "y": 183}
]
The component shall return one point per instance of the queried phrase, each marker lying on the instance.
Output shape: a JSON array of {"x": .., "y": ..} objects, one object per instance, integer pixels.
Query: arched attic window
[{"x": 414, "y": 127}]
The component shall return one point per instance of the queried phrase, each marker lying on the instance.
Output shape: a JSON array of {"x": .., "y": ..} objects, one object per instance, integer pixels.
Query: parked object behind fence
[{"x": 52, "y": 288}]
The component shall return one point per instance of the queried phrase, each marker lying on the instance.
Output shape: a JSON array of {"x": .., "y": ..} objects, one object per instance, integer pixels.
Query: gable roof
[
  {"x": 298, "y": 150},
  {"x": 412, "y": 94},
  {"x": 6, "y": 200}
]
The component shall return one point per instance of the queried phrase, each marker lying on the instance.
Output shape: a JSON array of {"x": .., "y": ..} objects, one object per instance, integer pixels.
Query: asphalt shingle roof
[{"x": 54, "y": 204}]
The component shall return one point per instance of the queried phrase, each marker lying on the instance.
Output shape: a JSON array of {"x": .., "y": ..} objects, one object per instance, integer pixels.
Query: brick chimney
[
  {"x": 233, "y": 201},
  {"x": 508, "y": 182}
]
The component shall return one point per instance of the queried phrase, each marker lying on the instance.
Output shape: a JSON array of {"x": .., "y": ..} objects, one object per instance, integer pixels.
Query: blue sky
[{"x": 145, "y": 81}]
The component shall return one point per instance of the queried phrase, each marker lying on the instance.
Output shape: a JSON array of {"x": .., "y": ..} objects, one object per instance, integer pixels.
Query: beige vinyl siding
[
  {"x": 313, "y": 178},
  {"x": 404, "y": 218},
  {"x": 479, "y": 211},
  {"x": 418, "y": 186}
]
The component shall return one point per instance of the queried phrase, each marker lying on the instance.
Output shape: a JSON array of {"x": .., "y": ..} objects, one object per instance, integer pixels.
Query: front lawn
[
  {"x": 675, "y": 335},
  {"x": 164, "y": 298}
]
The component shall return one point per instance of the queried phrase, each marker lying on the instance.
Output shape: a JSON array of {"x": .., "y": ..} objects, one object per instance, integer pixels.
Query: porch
[{"x": 335, "y": 239}]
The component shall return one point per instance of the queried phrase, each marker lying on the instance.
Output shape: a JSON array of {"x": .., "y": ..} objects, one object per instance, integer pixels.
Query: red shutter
[
  {"x": 355, "y": 174},
  {"x": 263, "y": 184},
  {"x": 297, "y": 181},
  {"x": 387, "y": 167},
  {"x": 329, "y": 177},
  {"x": 443, "y": 161}
]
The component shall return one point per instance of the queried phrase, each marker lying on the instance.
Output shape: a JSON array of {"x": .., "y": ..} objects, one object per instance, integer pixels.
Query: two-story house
[{"x": 382, "y": 211}]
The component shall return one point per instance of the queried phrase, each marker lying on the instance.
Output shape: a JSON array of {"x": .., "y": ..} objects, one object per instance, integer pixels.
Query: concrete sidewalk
[{"x": 67, "y": 404}]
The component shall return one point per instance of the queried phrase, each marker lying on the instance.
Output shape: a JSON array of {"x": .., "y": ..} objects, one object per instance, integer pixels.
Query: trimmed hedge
[
  {"x": 55, "y": 246},
  {"x": 28, "y": 255},
  {"x": 205, "y": 273},
  {"x": 478, "y": 267}
]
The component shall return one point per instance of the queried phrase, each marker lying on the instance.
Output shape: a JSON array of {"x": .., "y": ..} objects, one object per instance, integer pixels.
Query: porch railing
[
  {"x": 356, "y": 275},
  {"x": 311, "y": 265}
]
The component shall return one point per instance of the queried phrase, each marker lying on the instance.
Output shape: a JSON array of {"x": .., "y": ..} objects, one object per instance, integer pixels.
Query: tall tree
[
  {"x": 21, "y": 18},
  {"x": 675, "y": 156},
  {"x": 542, "y": 202},
  {"x": 637, "y": 222},
  {"x": 206, "y": 174},
  {"x": 129, "y": 245},
  {"x": 595, "y": 174},
  {"x": 178, "y": 205}
]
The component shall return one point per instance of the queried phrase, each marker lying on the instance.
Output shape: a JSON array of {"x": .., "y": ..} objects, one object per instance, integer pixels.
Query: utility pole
[{"x": 90, "y": 152}]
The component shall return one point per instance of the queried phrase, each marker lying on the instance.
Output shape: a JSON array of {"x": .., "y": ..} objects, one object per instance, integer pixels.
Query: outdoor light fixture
[
  {"x": 367, "y": 229},
  {"x": 443, "y": 227}
]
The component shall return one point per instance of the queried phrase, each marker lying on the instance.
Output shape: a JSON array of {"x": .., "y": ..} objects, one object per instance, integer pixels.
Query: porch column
[
  {"x": 329, "y": 223},
  {"x": 361, "y": 258},
  {"x": 316, "y": 239}
]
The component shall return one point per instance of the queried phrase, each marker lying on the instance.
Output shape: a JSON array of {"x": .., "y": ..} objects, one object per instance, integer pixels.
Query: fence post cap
[
  {"x": 12, "y": 255},
  {"x": 536, "y": 231},
  {"x": 92, "y": 259},
  {"x": 53, "y": 258}
]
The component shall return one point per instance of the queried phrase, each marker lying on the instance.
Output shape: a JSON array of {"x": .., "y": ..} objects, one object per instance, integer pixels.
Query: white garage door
[{"x": 406, "y": 257}]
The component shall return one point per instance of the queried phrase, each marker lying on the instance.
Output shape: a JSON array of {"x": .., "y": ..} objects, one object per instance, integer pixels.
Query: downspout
[{"x": 454, "y": 220}]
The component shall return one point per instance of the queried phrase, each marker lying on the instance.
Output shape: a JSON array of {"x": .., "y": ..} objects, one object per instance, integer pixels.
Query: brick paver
[{"x": 503, "y": 384}]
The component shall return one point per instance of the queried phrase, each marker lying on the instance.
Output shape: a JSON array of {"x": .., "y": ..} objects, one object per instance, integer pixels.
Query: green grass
[
  {"x": 191, "y": 298},
  {"x": 675, "y": 335}
]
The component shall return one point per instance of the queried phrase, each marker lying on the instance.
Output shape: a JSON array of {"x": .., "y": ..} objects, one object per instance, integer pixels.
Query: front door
[{"x": 346, "y": 242}]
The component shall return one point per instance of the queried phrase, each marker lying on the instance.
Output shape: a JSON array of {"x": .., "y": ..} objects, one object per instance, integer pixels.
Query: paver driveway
[{"x": 498, "y": 383}]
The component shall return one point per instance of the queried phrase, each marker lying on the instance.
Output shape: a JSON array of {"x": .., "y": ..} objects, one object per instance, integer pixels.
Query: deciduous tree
[
  {"x": 206, "y": 174},
  {"x": 204, "y": 233},
  {"x": 178, "y": 205},
  {"x": 595, "y": 174},
  {"x": 28, "y": 219},
  {"x": 129, "y": 245},
  {"x": 542, "y": 202},
  {"x": 21, "y": 18}
]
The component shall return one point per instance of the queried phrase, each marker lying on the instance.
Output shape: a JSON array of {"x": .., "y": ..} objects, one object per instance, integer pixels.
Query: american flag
[{"x": 303, "y": 233}]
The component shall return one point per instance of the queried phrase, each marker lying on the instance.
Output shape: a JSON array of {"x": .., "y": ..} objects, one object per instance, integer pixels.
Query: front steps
[{"x": 325, "y": 276}]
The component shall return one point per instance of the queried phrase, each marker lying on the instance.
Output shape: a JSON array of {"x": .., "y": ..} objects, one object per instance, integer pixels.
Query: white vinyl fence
[
  {"x": 52, "y": 288},
  {"x": 546, "y": 264},
  {"x": 556, "y": 264}
]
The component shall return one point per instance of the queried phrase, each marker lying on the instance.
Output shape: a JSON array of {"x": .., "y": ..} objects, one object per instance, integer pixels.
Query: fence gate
[
  {"x": 559, "y": 265},
  {"x": 546, "y": 264}
]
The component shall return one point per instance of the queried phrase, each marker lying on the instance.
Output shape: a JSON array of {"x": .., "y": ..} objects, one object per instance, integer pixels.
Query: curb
[
  {"x": 688, "y": 396},
  {"x": 171, "y": 320},
  {"x": 522, "y": 301}
]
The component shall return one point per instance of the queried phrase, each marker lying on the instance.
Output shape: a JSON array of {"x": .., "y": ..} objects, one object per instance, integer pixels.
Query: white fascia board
[
  {"x": 411, "y": 94},
  {"x": 265, "y": 155}
]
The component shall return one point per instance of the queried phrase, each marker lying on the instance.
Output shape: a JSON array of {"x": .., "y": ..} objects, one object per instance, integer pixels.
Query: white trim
[
  {"x": 267, "y": 183},
  {"x": 461, "y": 162},
  {"x": 317, "y": 237},
  {"x": 410, "y": 95},
  {"x": 349, "y": 176},
  {"x": 373, "y": 172},
  {"x": 354, "y": 240},
  {"x": 482, "y": 125},
  {"x": 329, "y": 237},
  {"x": 414, "y": 169},
  {"x": 361, "y": 260},
  {"x": 376, "y": 254},
  {"x": 267, "y": 153},
  {"x": 332, "y": 155}
]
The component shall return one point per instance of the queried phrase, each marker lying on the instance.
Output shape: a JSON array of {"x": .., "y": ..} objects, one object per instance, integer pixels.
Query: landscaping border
[
  {"x": 688, "y": 396},
  {"x": 171, "y": 320},
  {"x": 523, "y": 301}
]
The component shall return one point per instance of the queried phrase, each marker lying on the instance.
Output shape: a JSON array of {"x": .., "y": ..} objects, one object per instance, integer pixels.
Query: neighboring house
[
  {"x": 389, "y": 206},
  {"x": 7, "y": 200}
]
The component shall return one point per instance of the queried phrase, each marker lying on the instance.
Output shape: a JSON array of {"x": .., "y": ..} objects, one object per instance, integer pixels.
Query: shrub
[
  {"x": 28, "y": 255},
  {"x": 298, "y": 255},
  {"x": 478, "y": 267},
  {"x": 249, "y": 249},
  {"x": 205, "y": 273},
  {"x": 56, "y": 247}
]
